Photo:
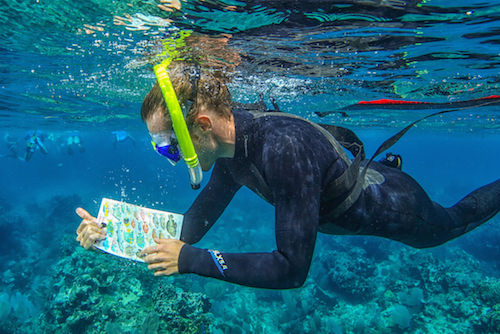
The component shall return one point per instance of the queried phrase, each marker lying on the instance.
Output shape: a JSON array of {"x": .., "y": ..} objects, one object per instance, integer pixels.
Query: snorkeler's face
[
  {"x": 165, "y": 144},
  {"x": 201, "y": 134},
  {"x": 163, "y": 137}
]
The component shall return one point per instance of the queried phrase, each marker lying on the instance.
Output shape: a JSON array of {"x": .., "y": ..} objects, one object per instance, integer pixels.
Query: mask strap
[{"x": 195, "y": 80}]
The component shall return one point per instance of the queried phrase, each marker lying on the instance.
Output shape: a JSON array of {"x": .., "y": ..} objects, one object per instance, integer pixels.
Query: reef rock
[{"x": 181, "y": 311}]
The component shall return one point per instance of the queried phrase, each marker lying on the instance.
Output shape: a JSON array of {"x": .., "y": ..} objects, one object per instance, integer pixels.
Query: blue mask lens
[
  {"x": 166, "y": 145},
  {"x": 169, "y": 151}
]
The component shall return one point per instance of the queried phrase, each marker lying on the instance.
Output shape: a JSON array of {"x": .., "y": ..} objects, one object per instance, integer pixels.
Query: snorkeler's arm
[
  {"x": 41, "y": 146},
  {"x": 297, "y": 198},
  {"x": 209, "y": 204}
]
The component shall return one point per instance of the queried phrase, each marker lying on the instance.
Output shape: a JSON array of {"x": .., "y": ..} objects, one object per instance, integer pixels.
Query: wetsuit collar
[{"x": 242, "y": 124}]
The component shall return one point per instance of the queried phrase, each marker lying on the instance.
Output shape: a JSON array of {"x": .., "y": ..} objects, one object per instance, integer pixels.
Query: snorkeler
[
  {"x": 74, "y": 141},
  {"x": 122, "y": 136},
  {"x": 299, "y": 168},
  {"x": 34, "y": 142}
]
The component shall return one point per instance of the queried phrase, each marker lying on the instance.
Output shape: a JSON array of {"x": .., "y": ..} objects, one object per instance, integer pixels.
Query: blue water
[{"x": 55, "y": 77}]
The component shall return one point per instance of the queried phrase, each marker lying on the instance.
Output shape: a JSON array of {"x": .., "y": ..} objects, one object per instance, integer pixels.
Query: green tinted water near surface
[{"x": 85, "y": 62}]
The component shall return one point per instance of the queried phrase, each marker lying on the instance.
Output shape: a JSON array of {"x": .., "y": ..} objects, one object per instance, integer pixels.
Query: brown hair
[{"x": 202, "y": 79}]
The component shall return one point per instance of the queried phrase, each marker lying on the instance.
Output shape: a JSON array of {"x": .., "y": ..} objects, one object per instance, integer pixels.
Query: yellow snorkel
[{"x": 178, "y": 121}]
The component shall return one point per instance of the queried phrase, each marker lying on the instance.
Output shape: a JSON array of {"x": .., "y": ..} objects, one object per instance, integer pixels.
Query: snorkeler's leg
[
  {"x": 476, "y": 208},
  {"x": 399, "y": 209},
  {"x": 41, "y": 146},
  {"x": 439, "y": 225},
  {"x": 11, "y": 155},
  {"x": 12, "y": 147},
  {"x": 29, "y": 154}
]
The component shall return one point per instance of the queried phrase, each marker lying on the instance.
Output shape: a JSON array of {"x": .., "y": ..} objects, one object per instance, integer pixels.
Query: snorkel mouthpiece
[{"x": 179, "y": 124}]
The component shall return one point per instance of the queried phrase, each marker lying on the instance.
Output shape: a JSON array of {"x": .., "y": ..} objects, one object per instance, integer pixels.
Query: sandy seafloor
[{"x": 356, "y": 284}]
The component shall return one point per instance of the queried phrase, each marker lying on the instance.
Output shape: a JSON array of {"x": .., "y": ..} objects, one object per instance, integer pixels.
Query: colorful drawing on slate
[{"x": 131, "y": 228}]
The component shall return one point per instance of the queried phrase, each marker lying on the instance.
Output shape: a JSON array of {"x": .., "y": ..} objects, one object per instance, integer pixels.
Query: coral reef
[
  {"x": 181, "y": 311},
  {"x": 356, "y": 285},
  {"x": 340, "y": 271},
  {"x": 96, "y": 293}
]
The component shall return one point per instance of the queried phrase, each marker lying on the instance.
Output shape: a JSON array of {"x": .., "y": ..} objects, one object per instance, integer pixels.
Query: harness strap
[{"x": 350, "y": 181}]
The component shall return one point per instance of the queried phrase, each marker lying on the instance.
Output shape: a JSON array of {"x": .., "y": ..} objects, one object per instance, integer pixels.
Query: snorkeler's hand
[
  {"x": 89, "y": 231},
  {"x": 164, "y": 257}
]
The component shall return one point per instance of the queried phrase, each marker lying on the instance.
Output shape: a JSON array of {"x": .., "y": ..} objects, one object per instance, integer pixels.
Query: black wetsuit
[{"x": 289, "y": 162}]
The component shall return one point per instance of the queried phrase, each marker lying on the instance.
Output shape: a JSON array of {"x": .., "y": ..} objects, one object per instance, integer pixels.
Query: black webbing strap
[{"x": 356, "y": 190}]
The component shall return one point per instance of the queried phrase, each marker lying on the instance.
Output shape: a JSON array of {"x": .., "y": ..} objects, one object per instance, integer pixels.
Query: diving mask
[{"x": 165, "y": 144}]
